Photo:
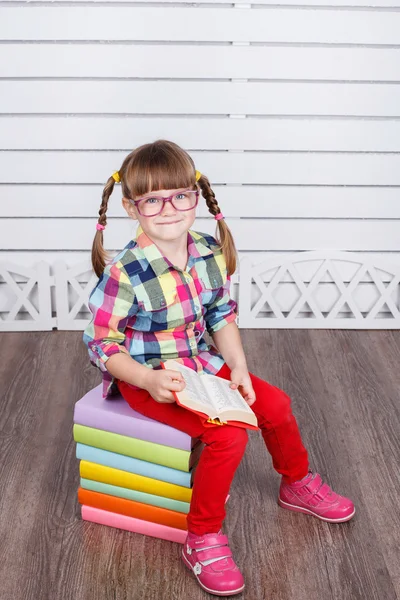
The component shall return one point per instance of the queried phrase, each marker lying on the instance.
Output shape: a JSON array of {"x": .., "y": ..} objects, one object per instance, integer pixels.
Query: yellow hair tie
[
  {"x": 116, "y": 177},
  {"x": 198, "y": 175}
]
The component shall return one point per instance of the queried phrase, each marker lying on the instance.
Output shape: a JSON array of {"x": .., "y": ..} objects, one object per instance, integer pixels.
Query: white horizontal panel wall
[
  {"x": 293, "y": 168},
  {"x": 165, "y": 61},
  {"x": 183, "y": 97},
  {"x": 294, "y": 106},
  {"x": 244, "y": 3},
  {"x": 192, "y": 25},
  {"x": 274, "y": 134}
]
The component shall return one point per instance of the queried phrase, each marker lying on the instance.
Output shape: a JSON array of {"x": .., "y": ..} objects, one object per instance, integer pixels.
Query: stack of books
[{"x": 136, "y": 473}]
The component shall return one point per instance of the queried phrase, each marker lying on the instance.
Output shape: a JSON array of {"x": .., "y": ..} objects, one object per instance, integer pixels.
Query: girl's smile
[{"x": 168, "y": 223}]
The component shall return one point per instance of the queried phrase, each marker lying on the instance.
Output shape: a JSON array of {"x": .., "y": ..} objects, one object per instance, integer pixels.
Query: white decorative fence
[
  {"x": 72, "y": 289},
  {"x": 330, "y": 289},
  {"x": 25, "y": 298},
  {"x": 344, "y": 291}
]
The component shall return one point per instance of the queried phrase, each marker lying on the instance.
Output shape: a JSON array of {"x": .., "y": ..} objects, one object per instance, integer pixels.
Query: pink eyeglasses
[{"x": 151, "y": 206}]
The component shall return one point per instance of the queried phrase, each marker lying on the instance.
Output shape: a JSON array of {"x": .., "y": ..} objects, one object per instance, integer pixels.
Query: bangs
[{"x": 159, "y": 166}]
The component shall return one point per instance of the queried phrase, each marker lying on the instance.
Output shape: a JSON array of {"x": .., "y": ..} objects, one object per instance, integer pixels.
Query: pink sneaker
[
  {"x": 310, "y": 495},
  {"x": 210, "y": 559}
]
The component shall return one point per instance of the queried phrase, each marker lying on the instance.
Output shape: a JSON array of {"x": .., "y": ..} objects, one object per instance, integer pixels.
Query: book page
[
  {"x": 223, "y": 397},
  {"x": 194, "y": 386}
]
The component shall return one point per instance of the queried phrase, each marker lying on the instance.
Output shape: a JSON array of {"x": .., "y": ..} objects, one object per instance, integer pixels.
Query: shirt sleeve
[
  {"x": 111, "y": 304},
  {"x": 222, "y": 309}
]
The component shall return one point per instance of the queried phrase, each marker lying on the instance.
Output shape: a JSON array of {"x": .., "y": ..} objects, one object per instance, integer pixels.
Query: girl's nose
[{"x": 168, "y": 208}]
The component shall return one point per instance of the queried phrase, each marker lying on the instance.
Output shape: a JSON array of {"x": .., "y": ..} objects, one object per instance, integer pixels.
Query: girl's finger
[
  {"x": 174, "y": 375},
  {"x": 176, "y": 386}
]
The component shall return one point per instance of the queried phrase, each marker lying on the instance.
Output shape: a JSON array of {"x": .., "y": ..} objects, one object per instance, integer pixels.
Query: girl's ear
[{"x": 130, "y": 208}]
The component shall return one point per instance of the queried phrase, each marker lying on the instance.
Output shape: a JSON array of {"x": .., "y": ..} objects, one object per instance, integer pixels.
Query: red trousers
[{"x": 225, "y": 446}]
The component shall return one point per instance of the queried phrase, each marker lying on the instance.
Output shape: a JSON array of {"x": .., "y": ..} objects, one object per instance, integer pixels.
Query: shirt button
[{"x": 190, "y": 326}]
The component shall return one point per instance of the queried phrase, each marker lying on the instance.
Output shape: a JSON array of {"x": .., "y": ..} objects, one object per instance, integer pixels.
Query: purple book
[{"x": 117, "y": 416}]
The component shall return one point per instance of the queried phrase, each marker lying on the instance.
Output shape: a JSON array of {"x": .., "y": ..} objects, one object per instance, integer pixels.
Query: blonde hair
[{"x": 161, "y": 165}]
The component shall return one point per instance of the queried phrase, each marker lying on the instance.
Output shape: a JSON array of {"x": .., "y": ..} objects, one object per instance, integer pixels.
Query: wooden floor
[{"x": 345, "y": 391}]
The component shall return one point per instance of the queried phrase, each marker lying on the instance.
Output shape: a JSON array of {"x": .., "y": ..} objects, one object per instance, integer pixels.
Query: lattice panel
[
  {"x": 73, "y": 287},
  {"x": 309, "y": 290},
  {"x": 25, "y": 298},
  {"x": 277, "y": 294}
]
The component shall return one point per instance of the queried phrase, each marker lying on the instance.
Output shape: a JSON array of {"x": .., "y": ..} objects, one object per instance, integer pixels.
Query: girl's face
[{"x": 169, "y": 225}]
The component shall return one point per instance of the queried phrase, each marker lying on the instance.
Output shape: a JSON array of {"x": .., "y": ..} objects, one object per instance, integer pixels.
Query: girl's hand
[
  {"x": 162, "y": 382},
  {"x": 240, "y": 379}
]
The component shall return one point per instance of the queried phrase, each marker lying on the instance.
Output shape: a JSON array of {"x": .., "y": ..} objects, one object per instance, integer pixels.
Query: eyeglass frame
[{"x": 165, "y": 199}]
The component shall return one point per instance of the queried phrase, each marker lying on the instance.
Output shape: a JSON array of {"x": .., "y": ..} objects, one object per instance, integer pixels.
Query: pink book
[
  {"x": 115, "y": 415},
  {"x": 104, "y": 517}
]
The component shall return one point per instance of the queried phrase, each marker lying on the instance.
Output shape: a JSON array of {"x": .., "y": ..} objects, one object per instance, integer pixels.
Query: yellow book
[{"x": 95, "y": 472}]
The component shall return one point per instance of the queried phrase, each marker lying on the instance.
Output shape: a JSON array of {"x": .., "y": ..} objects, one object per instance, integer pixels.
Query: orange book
[
  {"x": 130, "y": 508},
  {"x": 211, "y": 397}
]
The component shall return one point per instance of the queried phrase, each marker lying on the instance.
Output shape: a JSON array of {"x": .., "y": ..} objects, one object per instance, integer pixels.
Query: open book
[{"x": 211, "y": 396}]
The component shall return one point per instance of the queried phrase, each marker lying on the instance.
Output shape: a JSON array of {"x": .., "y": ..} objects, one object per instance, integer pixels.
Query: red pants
[{"x": 225, "y": 446}]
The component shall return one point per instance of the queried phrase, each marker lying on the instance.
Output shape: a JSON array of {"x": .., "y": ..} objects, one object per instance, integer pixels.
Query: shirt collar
[{"x": 196, "y": 244}]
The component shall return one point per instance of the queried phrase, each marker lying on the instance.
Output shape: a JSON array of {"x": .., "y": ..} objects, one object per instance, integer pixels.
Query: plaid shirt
[{"x": 145, "y": 306}]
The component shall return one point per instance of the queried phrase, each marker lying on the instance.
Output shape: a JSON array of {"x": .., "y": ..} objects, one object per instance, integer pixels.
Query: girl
[{"x": 153, "y": 302}]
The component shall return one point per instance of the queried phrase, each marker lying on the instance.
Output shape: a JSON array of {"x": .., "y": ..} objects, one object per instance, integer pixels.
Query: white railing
[
  {"x": 25, "y": 298},
  {"x": 309, "y": 290},
  {"x": 368, "y": 299}
]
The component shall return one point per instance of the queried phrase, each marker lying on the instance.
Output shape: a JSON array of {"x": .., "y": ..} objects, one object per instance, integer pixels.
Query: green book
[
  {"x": 183, "y": 460},
  {"x": 115, "y": 490}
]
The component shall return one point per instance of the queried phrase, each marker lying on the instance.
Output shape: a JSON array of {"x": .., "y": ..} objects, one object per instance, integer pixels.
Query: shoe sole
[
  {"x": 215, "y": 592},
  {"x": 310, "y": 512}
]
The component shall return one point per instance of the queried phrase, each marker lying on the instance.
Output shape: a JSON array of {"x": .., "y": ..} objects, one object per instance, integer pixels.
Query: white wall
[{"x": 291, "y": 108}]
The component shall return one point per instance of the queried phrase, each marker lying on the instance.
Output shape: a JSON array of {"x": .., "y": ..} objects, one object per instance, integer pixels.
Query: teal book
[{"x": 120, "y": 492}]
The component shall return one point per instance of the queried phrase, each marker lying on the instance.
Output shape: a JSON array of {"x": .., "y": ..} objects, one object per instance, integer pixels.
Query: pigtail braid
[
  {"x": 224, "y": 235},
  {"x": 99, "y": 255}
]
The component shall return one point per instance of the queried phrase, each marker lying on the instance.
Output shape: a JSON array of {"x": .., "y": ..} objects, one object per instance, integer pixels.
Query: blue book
[{"x": 133, "y": 465}]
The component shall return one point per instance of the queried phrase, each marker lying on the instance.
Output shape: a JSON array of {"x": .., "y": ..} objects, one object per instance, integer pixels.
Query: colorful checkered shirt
[{"x": 147, "y": 307}]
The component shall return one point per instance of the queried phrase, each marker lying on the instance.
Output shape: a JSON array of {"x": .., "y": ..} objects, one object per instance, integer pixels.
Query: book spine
[
  {"x": 121, "y": 444},
  {"x": 132, "y": 481},
  {"x": 104, "y": 517},
  {"x": 114, "y": 490},
  {"x": 133, "y": 465},
  {"x": 130, "y": 508},
  {"x": 150, "y": 431}
]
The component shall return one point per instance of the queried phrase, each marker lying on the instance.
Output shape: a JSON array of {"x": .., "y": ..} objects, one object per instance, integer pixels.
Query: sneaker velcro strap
[
  {"x": 314, "y": 485},
  {"x": 219, "y": 552},
  {"x": 209, "y": 539},
  {"x": 323, "y": 491}
]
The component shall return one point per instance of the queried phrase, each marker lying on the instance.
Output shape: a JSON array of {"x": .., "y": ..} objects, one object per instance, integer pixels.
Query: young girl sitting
[{"x": 153, "y": 302}]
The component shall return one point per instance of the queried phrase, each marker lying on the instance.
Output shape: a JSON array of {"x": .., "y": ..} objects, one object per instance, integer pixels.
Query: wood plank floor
[{"x": 345, "y": 391}]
